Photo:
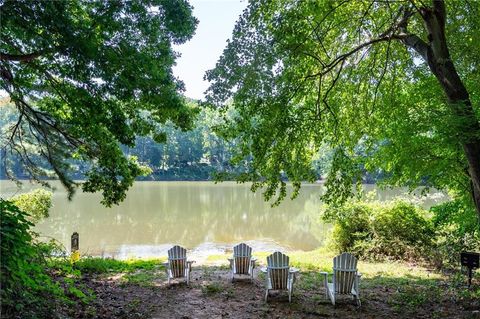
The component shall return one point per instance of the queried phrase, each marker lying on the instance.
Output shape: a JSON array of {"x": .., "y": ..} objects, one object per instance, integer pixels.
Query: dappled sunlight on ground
[{"x": 388, "y": 290}]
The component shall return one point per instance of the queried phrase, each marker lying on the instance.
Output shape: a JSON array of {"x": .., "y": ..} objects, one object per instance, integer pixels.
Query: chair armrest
[
  {"x": 325, "y": 276},
  {"x": 166, "y": 264},
  {"x": 189, "y": 264},
  {"x": 263, "y": 269},
  {"x": 359, "y": 275},
  {"x": 292, "y": 273}
]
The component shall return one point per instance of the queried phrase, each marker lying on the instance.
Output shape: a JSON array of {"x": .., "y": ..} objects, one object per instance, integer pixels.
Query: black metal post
[{"x": 470, "y": 275}]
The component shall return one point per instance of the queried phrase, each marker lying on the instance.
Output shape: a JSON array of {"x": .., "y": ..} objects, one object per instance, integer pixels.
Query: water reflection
[{"x": 201, "y": 216}]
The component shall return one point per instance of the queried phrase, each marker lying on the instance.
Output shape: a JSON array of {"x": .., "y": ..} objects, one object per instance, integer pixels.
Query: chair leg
[
  {"x": 357, "y": 290},
  {"x": 252, "y": 266},
  {"x": 290, "y": 291},
  {"x": 266, "y": 296},
  {"x": 357, "y": 300},
  {"x": 331, "y": 295},
  {"x": 168, "y": 275},
  {"x": 325, "y": 284}
]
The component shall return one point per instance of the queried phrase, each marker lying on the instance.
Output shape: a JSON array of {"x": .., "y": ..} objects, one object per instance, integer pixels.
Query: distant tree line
[{"x": 197, "y": 154}]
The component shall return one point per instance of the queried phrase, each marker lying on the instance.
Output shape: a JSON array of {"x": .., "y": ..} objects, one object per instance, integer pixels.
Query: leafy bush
[
  {"x": 457, "y": 229},
  {"x": 401, "y": 230},
  {"x": 23, "y": 278},
  {"x": 351, "y": 226},
  {"x": 396, "y": 230},
  {"x": 28, "y": 287},
  {"x": 36, "y": 203}
]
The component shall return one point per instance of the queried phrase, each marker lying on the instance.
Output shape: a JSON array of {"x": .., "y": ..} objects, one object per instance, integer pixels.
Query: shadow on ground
[{"x": 145, "y": 294}]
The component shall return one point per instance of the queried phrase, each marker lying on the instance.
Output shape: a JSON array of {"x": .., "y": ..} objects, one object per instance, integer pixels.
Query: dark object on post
[
  {"x": 74, "y": 242},
  {"x": 471, "y": 261}
]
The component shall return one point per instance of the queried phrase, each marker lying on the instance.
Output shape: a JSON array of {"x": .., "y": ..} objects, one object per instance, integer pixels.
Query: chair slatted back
[
  {"x": 278, "y": 267},
  {"x": 177, "y": 258},
  {"x": 242, "y": 255},
  {"x": 344, "y": 272}
]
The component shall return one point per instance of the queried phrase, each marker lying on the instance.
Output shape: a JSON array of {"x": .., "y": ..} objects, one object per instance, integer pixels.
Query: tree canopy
[
  {"x": 399, "y": 78},
  {"x": 87, "y": 77},
  {"x": 195, "y": 154}
]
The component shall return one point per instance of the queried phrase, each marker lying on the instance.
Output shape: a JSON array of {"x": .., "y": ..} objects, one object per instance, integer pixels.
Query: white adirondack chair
[
  {"x": 346, "y": 278},
  {"x": 178, "y": 266},
  {"x": 279, "y": 275},
  {"x": 242, "y": 262}
]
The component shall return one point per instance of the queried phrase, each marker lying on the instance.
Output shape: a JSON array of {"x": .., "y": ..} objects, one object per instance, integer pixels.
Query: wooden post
[
  {"x": 74, "y": 247},
  {"x": 74, "y": 242},
  {"x": 470, "y": 275}
]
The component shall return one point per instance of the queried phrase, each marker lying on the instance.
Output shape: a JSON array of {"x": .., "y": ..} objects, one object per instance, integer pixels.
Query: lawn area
[{"x": 138, "y": 289}]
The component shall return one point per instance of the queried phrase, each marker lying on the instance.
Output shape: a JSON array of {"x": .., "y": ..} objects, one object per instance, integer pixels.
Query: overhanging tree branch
[
  {"x": 20, "y": 57},
  {"x": 330, "y": 66}
]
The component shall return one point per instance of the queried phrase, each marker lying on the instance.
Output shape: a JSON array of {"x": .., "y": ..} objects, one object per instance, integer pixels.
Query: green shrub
[
  {"x": 396, "y": 230},
  {"x": 23, "y": 277},
  {"x": 457, "y": 229},
  {"x": 352, "y": 226},
  {"x": 401, "y": 231},
  {"x": 28, "y": 288}
]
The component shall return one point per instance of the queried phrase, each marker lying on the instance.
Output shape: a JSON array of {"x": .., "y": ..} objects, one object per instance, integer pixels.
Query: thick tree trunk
[
  {"x": 472, "y": 152},
  {"x": 441, "y": 65}
]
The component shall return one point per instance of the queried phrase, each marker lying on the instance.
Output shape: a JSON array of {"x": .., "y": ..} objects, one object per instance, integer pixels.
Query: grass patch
[
  {"x": 96, "y": 265},
  {"x": 212, "y": 288},
  {"x": 207, "y": 272},
  {"x": 373, "y": 273},
  {"x": 414, "y": 296},
  {"x": 230, "y": 293},
  {"x": 262, "y": 276},
  {"x": 143, "y": 278},
  {"x": 310, "y": 281},
  {"x": 316, "y": 260},
  {"x": 133, "y": 305}
]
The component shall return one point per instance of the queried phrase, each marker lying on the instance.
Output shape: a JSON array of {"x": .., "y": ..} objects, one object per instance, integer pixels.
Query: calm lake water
[{"x": 204, "y": 217}]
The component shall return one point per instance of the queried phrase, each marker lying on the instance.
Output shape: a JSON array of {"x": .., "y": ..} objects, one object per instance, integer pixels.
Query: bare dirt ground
[{"x": 212, "y": 295}]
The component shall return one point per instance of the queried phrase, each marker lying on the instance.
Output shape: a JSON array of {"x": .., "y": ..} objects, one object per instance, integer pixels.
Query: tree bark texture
[{"x": 441, "y": 65}]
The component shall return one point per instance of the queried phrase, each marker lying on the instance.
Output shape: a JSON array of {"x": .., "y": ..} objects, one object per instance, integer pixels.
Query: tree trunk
[
  {"x": 472, "y": 152},
  {"x": 441, "y": 65}
]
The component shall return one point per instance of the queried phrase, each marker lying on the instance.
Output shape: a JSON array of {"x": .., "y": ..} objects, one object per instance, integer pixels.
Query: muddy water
[{"x": 204, "y": 217}]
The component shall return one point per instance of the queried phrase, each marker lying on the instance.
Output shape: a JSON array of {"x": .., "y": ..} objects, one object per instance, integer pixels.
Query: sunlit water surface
[{"x": 204, "y": 217}]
